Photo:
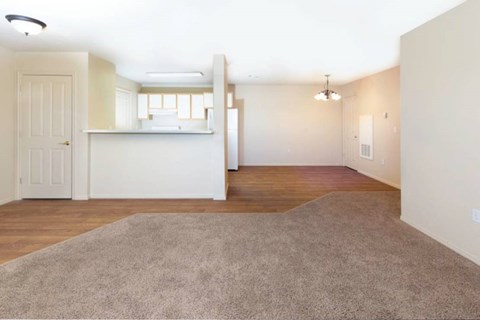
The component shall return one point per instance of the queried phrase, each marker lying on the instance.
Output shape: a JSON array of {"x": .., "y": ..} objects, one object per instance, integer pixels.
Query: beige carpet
[{"x": 343, "y": 256}]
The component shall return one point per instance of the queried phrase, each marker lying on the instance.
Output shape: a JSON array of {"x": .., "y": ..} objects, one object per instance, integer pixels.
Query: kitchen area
[
  {"x": 179, "y": 143},
  {"x": 187, "y": 110}
]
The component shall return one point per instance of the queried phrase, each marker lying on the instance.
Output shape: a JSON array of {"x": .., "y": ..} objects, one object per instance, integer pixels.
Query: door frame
[
  {"x": 354, "y": 96},
  {"x": 18, "y": 124}
]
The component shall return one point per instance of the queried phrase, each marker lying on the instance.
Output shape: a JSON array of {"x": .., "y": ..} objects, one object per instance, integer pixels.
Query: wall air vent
[
  {"x": 366, "y": 137},
  {"x": 366, "y": 151}
]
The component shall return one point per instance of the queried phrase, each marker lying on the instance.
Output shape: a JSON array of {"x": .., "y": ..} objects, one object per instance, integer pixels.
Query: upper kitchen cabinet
[
  {"x": 155, "y": 103},
  {"x": 184, "y": 106},
  {"x": 198, "y": 107},
  {"x": 170, "y": 101},
  {"x": 162, "y": 104},
  {"x": 208, "y": 100}
]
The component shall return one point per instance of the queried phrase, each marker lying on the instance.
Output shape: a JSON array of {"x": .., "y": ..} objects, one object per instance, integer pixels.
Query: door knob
[{"x": 67, "y": 143}]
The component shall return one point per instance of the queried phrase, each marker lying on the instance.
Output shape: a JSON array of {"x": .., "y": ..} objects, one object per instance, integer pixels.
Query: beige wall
[
  {"x": 7, "y": 125},
  {"x": 101, "y": 93},
  {"x": 441, "y": 137},
  {"x": 284, "y": 125},
  {"x": 127, "y": 84},
  {"x": 67, "y": 63},
  {"x": 376, "y": 95}
]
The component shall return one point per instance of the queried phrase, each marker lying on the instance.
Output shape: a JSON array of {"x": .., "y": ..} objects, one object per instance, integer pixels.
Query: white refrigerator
[
  {"x": 232, "y": 128},
  {"x": 232, "y": 135}
]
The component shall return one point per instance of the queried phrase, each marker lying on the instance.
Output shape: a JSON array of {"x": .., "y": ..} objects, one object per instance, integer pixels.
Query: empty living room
[{"x": 215, "y": 159}]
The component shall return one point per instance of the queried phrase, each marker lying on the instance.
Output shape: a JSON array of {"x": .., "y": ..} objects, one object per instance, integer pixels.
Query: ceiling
[{"x": 265, "y": 42}]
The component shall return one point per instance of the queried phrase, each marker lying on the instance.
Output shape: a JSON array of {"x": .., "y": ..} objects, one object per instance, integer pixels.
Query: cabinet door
[
  {"x": 198, "y": 109},
  {"x": 183, "y": 106},
  {"x": 142, "y": 108},
  {"x": 155, "y": 101},
  {"x": 170, "y": 101},
  {"x": 208, "y": 100}
]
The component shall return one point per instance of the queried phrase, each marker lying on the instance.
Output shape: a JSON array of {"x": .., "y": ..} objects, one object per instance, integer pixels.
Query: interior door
[
  {"x": 350, "y": 133},
  {"x": 45, "y": 136},
  {"x": 123, "y": 109}
]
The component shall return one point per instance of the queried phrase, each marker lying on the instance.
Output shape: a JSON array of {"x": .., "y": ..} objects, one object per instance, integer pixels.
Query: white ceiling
[{"x": 265, "y": 41}]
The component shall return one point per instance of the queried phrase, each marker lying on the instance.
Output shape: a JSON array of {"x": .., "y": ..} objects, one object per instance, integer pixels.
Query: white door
[
  {"x": 123, "y": 109},
  {"x": 45, "y": 136},
  {"x": 350, "y": 133}
]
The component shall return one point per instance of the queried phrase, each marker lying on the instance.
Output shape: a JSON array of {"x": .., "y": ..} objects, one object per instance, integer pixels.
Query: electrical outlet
[{"x": 476, "y": 215}]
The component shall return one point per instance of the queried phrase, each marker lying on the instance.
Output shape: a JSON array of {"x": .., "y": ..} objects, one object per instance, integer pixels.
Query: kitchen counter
[
  {"x": 160, "y": 163},
  {"x": 143, "y": 131}
]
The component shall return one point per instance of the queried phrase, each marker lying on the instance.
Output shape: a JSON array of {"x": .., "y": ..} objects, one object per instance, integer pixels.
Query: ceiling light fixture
[
  {"x": 175, "y": 74},
  {"x": 327, "y": 94},
  {"x": 26, "y": 25}
]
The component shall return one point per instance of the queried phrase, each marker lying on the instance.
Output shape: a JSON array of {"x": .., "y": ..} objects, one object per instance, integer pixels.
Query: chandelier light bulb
[{"x": 336, "y": 96}]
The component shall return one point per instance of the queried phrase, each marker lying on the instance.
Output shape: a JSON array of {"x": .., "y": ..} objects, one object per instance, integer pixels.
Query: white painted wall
[
  {"x": 376, "y": 95},
  {"x": 151, "y": 166},
  {"x": 7, "y": 125},
  {"x": 284, "y": 125},
  {"x": 440, "y": 94},
  {"x": 62, "y": 63}
]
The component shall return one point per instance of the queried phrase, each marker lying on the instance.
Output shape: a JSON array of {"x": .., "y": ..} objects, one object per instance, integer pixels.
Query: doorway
[
  {"x": 45, "y": 136},
  {"x": 350, "y": 133}
]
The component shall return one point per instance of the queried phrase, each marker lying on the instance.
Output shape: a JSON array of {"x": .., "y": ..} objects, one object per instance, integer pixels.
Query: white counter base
[{"x": 146, "y": 166}]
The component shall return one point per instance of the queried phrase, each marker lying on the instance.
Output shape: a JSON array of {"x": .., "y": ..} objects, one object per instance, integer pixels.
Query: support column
[{"x": 220, "y": 147}]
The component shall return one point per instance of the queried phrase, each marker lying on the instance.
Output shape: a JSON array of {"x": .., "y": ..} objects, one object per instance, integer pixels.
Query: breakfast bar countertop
[{"x": 149, "y": 131}]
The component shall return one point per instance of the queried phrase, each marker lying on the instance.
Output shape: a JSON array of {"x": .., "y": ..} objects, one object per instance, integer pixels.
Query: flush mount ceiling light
[
  {"x": 175, "y": 74},
  {"x": 327, "y": 94},
  {"x": 26, "y": 25}
]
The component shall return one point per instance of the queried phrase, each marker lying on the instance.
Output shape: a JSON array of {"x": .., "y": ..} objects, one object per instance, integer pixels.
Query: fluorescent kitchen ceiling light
[{"x": 175, "y": 74}]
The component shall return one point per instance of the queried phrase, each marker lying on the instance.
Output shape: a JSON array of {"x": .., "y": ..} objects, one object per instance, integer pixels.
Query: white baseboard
[
  {"x": 446, "y": 243},
  {"x": 392, "y": 184},
  {"x": 80, "y": 198},
  {"x": 291, "y": 165},
  {"x": 151, "y": 196},
  {"x": 5, "y": 201}
]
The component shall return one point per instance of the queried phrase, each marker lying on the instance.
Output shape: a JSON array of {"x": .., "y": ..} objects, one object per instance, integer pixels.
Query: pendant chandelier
[{"x": 327, "y": 94}]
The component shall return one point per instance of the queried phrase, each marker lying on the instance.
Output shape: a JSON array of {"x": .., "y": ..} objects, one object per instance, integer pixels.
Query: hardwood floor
[{"x": 30, "y": 225}]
